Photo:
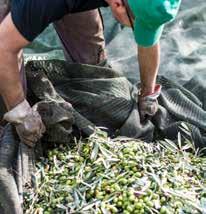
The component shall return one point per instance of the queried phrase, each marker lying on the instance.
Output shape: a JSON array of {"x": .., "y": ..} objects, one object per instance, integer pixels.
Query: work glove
[
  {"x": 148, "y": 105},
  {"x": 28, "y": 123}
]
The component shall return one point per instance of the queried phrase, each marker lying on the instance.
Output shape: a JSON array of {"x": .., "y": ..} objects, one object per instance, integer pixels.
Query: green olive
[
  {"x": 163, "y": 210},
  {"x": 130, "y": 208},
  {"x": 139, "y": 205}
]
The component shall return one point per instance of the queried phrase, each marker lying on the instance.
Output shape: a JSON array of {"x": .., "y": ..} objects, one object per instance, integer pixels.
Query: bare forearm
[
  {"x": 10, "y": 84},
  {"x": 149, "y": 60},
  {"x": 11, "y": 43}
]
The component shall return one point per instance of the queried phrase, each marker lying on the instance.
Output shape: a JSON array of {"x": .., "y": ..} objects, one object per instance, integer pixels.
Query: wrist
[
  {"x": 146, "y": 91},
  {"x": 13, "y": 100},
  {"x": 143, "y": 92}
]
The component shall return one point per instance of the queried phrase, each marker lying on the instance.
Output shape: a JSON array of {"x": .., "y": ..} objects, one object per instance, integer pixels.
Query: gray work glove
[
  {"x": 148, "y": 105},
  {"x": 28, "y": 123}
]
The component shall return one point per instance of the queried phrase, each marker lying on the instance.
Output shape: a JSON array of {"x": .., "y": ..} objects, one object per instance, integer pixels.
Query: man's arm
[
  {"x": 27, "y": 120},
  {"x": 149, "y": 61},
  {"x": 11, "y": 43}
]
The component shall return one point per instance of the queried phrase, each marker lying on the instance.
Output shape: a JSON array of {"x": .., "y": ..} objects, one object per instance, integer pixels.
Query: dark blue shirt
[{"x": 31, "y": 17}]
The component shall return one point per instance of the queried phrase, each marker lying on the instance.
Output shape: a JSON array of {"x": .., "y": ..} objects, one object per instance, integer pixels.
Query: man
[{"x": 28, "y": 18}]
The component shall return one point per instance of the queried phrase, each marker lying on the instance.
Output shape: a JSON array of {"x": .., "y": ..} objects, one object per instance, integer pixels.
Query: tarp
[{"x": 103, "y": 97}]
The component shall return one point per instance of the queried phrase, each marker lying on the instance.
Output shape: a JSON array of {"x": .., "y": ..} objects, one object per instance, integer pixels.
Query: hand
[
  {"x": 28, "y": 123},
  {"x": 148, "y": 105}
]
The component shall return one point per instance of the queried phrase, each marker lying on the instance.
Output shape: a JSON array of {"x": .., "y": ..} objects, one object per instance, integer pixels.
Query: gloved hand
[
  {"x": 28, "y": 123},
  {"x": 148, "y": 105}
]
